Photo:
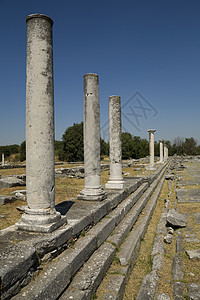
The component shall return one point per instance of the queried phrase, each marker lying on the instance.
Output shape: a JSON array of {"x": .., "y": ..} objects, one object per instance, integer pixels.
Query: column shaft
[
  {"x": 115, "y": 180},
  {"x": 165, "y": 153},
  {"x": 3, "y": 160},
  {"x": 40, "y": 166},
  {"x": 92, "y": 189},
  {"x": 161, "y": 151},
  {"x": 151, "y": 149}
]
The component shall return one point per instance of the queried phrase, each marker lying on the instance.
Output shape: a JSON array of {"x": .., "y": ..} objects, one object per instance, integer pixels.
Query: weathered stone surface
[
  {"x": 158, "y": 245},
  {"x": 193, "y": 291},
  {"x": 178, "y": 288},
  {"x": 14, "y": 258},
  {"x": 176, "y": 219},
  {"x": 56, "y": 276},
  {"x": 11, "y": 181},
  {"x": 162, "y": 296},
  {"x": 94, "y": 270},
  {"x": 74, "y": 295},
  {"x": 157, "y": 262},
  {"x": 193, "y": 254},
  {"x": 161, "y": 227},
  {"x": 179, "y": 242},
  {"x": 177, "y": 270},
  {"x": 114, "y": 287},
  {"x": 148, "y": 287}
]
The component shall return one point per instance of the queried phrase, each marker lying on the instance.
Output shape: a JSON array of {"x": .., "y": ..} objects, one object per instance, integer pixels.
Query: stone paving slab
[{"x": 188, "y": 195}]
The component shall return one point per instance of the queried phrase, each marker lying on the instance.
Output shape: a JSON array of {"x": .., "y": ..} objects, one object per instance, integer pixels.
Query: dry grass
[{"x": 17, "y": 171}]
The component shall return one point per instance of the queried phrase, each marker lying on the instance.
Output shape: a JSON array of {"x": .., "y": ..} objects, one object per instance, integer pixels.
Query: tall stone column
[
  {"x": 165, "y": 153},
  {"x": 151, "y": 149},
  {"x": 161, "y": 151},
  {"x": 2, "y": 160},
  {"x": 116, "y": 179},
  {"x": 92, "y": 190},
  {"x": 40, "y": 215}
]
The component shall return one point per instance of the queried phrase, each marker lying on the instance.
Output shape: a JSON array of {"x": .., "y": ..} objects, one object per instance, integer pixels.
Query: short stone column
[
  {"x": 161, "y": 151},
  {"x": 116, "y": 179},
  {"x": 165, "y": 153},
  {"x": 93, "y": 190},
  {"x": 40, "y": 215},
  {"x": 2, "y": 160},
  {"x": 151, "y": 149}
]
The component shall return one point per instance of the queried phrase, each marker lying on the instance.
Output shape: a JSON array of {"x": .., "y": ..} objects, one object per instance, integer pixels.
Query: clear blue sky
[{"x": 149, "y": 47}]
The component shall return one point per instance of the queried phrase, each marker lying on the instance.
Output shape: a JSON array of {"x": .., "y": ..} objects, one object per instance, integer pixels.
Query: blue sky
[{"x": 148, "y": 52}]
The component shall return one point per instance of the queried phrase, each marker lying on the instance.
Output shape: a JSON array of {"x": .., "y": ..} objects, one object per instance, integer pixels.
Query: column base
[
  {"x": 115, "y": 184},
  {"x": 89, "y": 194},
  {"x": 150, "y": 168},
  {"x": 41, "y": 220}
]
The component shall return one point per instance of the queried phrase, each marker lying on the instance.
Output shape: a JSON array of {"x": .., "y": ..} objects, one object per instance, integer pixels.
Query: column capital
[
  {"x": 34, "y": 16},
  {"x": 151, "y": 130}
]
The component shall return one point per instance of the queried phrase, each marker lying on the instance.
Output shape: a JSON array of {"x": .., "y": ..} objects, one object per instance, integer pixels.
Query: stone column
[
  {"x": 2, "y": 160},
  {"x": 151, "y": 149},
  {"x": 165, "y": 153},
  {"x": 116, "y": 179},
  {"x": 40, "y": 215},
  {"x": 161, "y": 151},
  {"x": 92, "y": 190}
]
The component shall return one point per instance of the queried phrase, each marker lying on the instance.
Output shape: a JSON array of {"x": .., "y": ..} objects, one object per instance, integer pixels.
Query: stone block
[
  {"x": 193, "y": 254},
  {"x": 13, "y": 181},
  {"x": 176, "y": 219}
]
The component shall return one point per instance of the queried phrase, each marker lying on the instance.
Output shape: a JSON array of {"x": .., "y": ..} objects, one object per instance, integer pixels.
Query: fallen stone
[
  {"x": 178, "y": 289},
  {"x": 20, "y": 196},
  {"x": 193, "y": 254},
  {"x": 168, "y": 238},
  {"x": 126, "y": 174},
  {"x": 2, "y": 216},
  {"x": 137, "y": 169},
  {"x": 169, "y": 176},
  {"x": 6, "y": 199},
  {"x": 193, "y": 291},
  {"x": 7, "y": 182},
  {"x": 162, "y": 296},
  {"x": 176, "y": 219},
  {"x": 170, "y": 230},
  {"x": 177, "y": 270},
  {"x": 148, "y": 287},
  {"x": 21, "y": 208}
]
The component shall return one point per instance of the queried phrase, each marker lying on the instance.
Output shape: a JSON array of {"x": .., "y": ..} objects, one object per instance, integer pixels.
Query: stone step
[
  {"x": 92, "y": 273},
  {"x": 56, "y": 275},
  {"x": 113, "y": 285}
]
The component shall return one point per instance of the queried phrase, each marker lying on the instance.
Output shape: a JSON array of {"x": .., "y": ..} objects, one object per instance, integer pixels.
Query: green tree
[
  {"x": 127, "y": 145},
  {"x": 23, "y": 151},
  {"x": 72, "y": 143},
  {"x": 104, "y": 147},
  {"x": 72, "y": 148},
  {"x": 190, "y": 146}
]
